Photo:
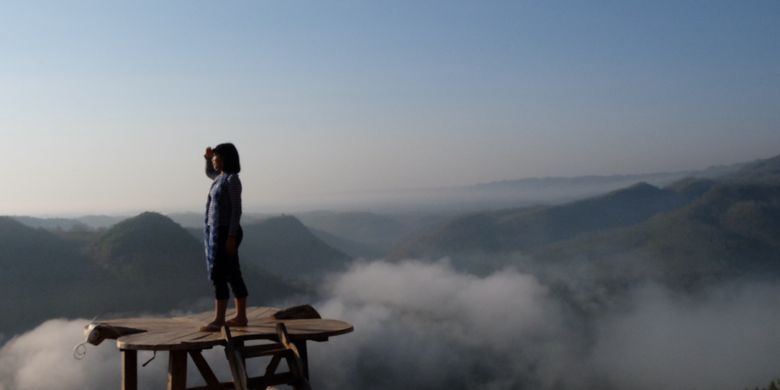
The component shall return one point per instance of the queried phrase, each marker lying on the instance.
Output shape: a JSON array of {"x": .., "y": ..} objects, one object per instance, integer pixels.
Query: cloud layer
[
  {"x": 424, "y": 325},
  {"x": 427, "y": 326}
]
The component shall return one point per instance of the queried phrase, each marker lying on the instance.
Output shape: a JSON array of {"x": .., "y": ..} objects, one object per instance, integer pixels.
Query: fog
[{"x": 426, "y": 325}]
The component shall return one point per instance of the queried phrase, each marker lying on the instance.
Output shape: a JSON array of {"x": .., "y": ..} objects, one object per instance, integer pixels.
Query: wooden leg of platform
[
  {"x": 177, "y": 370},
  {"x": 301, "y": 345},
  {"x": 205, "y": 371},
  {"x": 129, "y": 369}
]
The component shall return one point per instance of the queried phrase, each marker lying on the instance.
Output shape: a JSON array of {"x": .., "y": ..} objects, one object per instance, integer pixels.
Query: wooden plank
[
  {"x": 212, "y": 383},
  {"x": 258, "y": 313},
  {"x": 129, "y": 370},
  {"x": 177, "y": 370},
  {"x": 182, "y": 333}
]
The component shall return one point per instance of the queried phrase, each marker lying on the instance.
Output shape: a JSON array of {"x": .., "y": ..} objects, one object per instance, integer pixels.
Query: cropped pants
[{"x": 226, "y": 269}]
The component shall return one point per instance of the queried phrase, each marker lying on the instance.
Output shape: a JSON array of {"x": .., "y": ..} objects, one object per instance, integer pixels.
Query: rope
[{"x": 80, "y": 350}]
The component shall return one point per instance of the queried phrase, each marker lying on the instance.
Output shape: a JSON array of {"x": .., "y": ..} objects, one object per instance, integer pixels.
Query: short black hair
[{"x": 229, "y": 155}]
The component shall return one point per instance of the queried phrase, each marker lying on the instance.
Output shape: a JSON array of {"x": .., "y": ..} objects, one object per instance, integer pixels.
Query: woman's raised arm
[{"x": 210, "y": 171}]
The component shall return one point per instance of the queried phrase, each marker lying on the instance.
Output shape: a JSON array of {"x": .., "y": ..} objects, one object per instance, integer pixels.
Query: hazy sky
[{"x": 107, "y": 106}]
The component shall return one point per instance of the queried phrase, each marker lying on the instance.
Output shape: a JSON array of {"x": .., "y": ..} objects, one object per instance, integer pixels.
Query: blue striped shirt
[{"x": 229, "y": 207}]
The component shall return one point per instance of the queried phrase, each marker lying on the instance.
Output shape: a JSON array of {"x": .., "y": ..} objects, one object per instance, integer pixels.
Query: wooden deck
[{"x": 181, "y": 336}]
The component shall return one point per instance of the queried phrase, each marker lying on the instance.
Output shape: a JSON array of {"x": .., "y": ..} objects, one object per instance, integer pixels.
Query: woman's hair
[{"x": 229, "y": 155}]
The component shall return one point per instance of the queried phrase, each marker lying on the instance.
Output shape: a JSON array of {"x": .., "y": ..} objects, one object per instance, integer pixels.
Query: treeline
[{"x": 773, "y": 385}]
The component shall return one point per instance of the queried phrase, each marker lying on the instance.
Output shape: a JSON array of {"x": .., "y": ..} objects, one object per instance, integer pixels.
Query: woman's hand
[
  {"x": 209, "y": 153},
  {"x": 231, "y": 246}
]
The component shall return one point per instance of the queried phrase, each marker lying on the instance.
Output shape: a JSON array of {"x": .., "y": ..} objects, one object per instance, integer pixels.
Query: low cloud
[
  {"x": 728, "y": 338},
  {"x": 428, "y": 326},
  {"x": 43, "y": 359},
  {"x": 425, "y": 326}
]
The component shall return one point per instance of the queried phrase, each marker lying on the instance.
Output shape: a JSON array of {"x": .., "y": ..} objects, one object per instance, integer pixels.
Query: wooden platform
[{"x": 182, "y": 336}]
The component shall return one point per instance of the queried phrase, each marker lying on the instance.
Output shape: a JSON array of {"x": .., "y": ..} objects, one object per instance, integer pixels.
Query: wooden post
[
  {"x": 177, "y": 370},
  {"x": 129, "y": 369},
  {"x": 205, "y": 371},
  {"x": 301, "y": 345}
]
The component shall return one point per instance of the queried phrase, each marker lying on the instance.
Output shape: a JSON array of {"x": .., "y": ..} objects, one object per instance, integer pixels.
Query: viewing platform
[{"x": 287, "y": 330}]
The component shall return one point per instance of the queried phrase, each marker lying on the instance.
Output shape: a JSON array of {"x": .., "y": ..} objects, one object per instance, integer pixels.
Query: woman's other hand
[
  {"x": 209, "y": 153},
  {"x": 231, "y": 246}
]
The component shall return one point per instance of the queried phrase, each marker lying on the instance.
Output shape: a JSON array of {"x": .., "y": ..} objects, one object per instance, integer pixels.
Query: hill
[
  {"x": 42, "y": 276},
  {"x": 762, "y": 171},
  {"x": 286, "y": 248},
  {"x": 146, "y": 263},
  {"x": 152, "y": 251},
  {"x": 370, "y": 228},
  {"x": 350, "y": 247},
  {"x": 730, "y": 232},
  {"x": 52, "y": 223},
  {"x": 523, "y": 229}
]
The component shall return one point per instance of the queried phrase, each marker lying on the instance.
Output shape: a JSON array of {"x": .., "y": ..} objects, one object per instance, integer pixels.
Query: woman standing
[{"x": 223, "y": 234}]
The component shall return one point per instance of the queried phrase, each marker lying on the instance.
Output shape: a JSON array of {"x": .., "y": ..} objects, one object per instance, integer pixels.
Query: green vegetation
[
  {"x": 147, "y": 263},
  {"x": 285, "y": 247},
  {"x": 691, "y": 232}
]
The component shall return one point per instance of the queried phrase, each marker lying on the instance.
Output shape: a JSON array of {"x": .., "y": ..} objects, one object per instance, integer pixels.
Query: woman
[{"x": 223, "y": 234}]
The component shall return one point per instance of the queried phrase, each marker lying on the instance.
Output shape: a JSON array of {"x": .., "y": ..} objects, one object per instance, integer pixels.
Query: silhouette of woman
[{"x": 223, "y": 234}]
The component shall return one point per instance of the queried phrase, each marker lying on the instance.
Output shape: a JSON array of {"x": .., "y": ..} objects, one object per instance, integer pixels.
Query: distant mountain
[
  {"x": 152, "y": 251},
  {"x": 517, "y": 193},
  {"x": 196, "y": 219},
  {"x": 350, "y": 247},
  {"x": 41, "y": 276},
  {"x": 370, "y": 228},
  {"x": 188, "y": 220},
  {"x": 100, "y": 221},
  {"x": 604, "y": 183},
  {"x": 761, "y": 171},
  {"x": 527, "y": 228},
  {"x": 149, "y": 245},
  {"x": 693, "y": 231},
  {"x": 286, "y": 248},
  {"x": 146, "y": 263},
  {"x": 730, "y": 231},
  {"x": 52, "y": 223},
  {"x": 368, "y": 234}
]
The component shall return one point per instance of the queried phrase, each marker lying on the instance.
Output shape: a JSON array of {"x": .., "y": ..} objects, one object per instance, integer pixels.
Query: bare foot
[
  {"x": 213, "y": 326},
  {"x": 236, "y": 321}
]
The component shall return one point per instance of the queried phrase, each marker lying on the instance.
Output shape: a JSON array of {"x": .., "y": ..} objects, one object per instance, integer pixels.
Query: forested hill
[
  {"x": 146, "y": 263},
  {"x": 285, "y": 247},
  {"x": 694, "y": 228},
  {"x": 528, "y": 228}
]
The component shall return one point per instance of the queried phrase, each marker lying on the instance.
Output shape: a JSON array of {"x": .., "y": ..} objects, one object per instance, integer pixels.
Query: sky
[{"x": 107, "y": 107}]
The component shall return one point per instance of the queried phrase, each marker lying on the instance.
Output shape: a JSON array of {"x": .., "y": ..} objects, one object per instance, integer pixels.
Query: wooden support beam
[
  {"x": 301, "y": 345},
  {"x": 129, "y": 369},
  {"x": 177, "y": 370},
  {"x": 212, "y": 382}
]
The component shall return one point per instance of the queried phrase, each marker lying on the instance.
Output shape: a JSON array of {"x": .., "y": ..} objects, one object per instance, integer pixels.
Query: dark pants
[{"x": 226, "y": 269}]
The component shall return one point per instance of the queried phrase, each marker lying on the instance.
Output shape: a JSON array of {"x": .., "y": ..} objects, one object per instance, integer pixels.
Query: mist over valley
[{"x": 646, "y": 286}]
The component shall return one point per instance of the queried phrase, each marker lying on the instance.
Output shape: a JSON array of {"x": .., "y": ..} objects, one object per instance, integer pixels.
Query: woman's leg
[
  {"x": 220, "y": 273},
  {"x": 220, "y": 306},
  {"x": 240, "y": 318},
  {"x": 238, "y": 286}
]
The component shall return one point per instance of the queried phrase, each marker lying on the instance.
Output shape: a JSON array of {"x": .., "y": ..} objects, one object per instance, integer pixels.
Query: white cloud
[
  {"x": 728, "y": 339},
  {"x": 421, "y": 325},
  {"x": 43, "y": 359},
  {"x": 424, "y": 325}
]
